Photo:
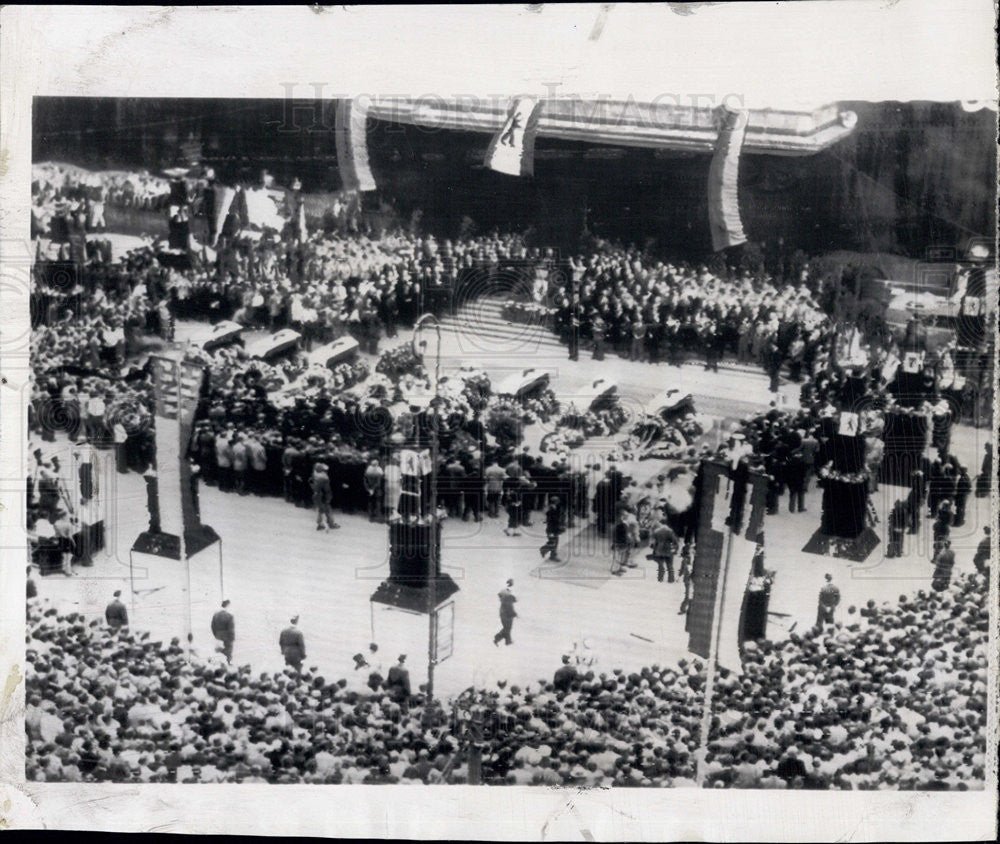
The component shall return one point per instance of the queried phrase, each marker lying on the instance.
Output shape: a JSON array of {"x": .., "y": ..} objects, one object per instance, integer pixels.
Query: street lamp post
[{"x": 420, "y": 349}]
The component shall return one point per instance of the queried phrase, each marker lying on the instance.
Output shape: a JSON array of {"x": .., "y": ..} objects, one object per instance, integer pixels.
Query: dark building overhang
[{"x": 665, "y": 125}]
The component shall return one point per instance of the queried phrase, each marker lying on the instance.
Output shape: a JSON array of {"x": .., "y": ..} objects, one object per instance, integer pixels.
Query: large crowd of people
[
  {"x": 893, "y": 696},
  {"x": 890, "y": 697},
  {"x": 651, "y": 310}
]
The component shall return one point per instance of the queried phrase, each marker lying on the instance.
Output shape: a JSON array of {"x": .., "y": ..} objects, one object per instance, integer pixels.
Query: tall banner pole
[
  {"x": 183, "y": 456},
  {"x": 706, "y": 711},
  {"x": 432, "y": 551}
]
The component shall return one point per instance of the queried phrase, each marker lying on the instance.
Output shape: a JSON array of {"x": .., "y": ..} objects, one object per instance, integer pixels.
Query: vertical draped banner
[
  {"x": 512, "y": 150},
  {"x": 223, "y": 200},
  {"x": 731, "y": 506},
  {"x": 177, "y": 385},
  {"x": 352, "y": 146},
  {"x": 723, "y": 176}
]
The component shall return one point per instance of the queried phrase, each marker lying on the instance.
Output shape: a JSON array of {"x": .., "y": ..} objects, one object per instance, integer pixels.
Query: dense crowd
[
  {"x": 894, "y": 697},
  {"x": 651, "y": 310}
]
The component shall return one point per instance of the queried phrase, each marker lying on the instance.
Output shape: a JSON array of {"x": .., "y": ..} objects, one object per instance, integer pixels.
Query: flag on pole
[
  {"x": 512, "y": 150},
  {"x": 352, "y": 146},
  {"x": 723, "y": 496},
  {"x": 723, "y": 176},
  {"x": 223, "y": 201}
]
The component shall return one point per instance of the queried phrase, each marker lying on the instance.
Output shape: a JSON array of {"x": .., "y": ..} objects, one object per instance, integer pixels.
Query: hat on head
[{"x": 118, "y": 593}]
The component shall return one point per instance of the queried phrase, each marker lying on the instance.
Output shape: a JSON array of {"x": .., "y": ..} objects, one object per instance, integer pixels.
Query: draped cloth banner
[
  {"x": 223, "y": 202},
  {"x": 731, "y": 507},
  {"x": 177, "y": 385},
  {"x": 512, "y": 150},
  {"x": 352, "y": 146},
  {"x": 723, "y": 176}
]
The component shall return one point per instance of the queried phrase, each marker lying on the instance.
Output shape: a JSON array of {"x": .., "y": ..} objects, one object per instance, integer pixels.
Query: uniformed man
[
  {"x": 829, "y": 598},
  {"x": 224, "y": 629},
  {"x": 553, "y": 527},
  {"x": 566, "y": 675},
  {"x": 944, "y": 563},
  {"x": 897, "y": 529},
  {"x": 963, "y": 489},
  {"x": 293, "y": 645},
  {"x": 115, "y": 613},
  {"x": 397, "y": 684},
  {"x": 507, "y": 613},
  {"x": 322, "y": 496},
  {"x": 597, "y": 331},
  {"x": 664, "y": 543}
]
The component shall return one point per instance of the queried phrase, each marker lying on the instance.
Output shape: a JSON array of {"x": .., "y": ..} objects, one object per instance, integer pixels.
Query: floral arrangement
[
  {"x": 346, "y": 375},
  {"x": 380, "y": 388},
  {"x": 923, "y": 410},
  {"x": 591, "y": 423},
  {"x": 587, "y": 424},
  {"x": 477, "y": 391},
  {"x": 826, "y": 473},
  {"x": 400, "y": 361},
  {"x": 561, "y": 440},
  {"x": 613, "y": 417},
  {"x": 504, "y": 421},
  {"x": 541, "y": 406}
]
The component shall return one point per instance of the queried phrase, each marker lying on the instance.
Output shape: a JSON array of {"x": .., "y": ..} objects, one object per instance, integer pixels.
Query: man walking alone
[
  {"x": 507, "y": 613},
  {"x": 224, "y": 629},
  {"x": 553, "y": 527}
]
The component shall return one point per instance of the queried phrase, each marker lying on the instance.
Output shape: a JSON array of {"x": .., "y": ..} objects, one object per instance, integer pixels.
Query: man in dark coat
[
  {"x": 322, "y": 497},
  {"x": 604, "y": 504},
  {"x": 897, "y": 529},
  {"x": 566, "y": 675},
  {"x": 985, "y": 478},
  {"x": 795, "y": 477},
  {"x": 982, "y": 558},
  {"x": 115, "y": 613},
  {"x": 224, "y": 629},
  {"x": 963, "y": 489},
  {"x": 829, "y": 598},
  {"x": 915, "y": 500},
  {"x": 397, "y": 683},
  {"x": 944, "y": 563},
  {"x": 507, "y": 613},
  {"x": 293, "y": 645},
  {"x": 553, "y": 527},
  {"x": 663, "y": 545}
]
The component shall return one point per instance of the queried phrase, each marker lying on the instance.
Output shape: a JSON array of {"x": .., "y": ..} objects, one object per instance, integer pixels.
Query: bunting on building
[
  {"x": 352, "y": 146},
  {"x": 512, "y": 150},
  {"x": 723, "y": 177}
]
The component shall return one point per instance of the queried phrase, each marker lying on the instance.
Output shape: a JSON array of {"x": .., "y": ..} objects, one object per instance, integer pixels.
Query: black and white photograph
[{"x": 508, "y": 436}]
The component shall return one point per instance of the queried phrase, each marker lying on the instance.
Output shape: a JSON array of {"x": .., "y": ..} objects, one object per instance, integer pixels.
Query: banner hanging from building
[
  {"x": 352, "y": 146},
  {"x": 512, "y": 150},
  {"x": 723, "y": 177}
]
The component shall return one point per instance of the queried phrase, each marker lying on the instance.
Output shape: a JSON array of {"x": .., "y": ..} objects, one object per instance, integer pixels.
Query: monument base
[
  {"x": 856, "y": 549},
  {"x": 168, "y": 545},
  {"x": 413, "y": 597}
]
